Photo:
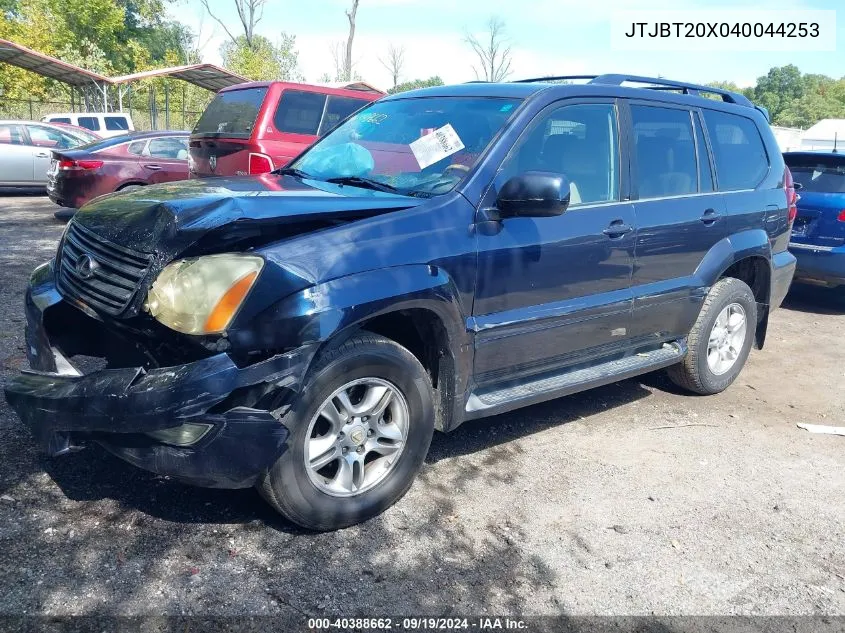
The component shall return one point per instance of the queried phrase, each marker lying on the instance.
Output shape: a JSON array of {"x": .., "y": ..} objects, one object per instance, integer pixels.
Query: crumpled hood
[{"x": 171, "y": 218}]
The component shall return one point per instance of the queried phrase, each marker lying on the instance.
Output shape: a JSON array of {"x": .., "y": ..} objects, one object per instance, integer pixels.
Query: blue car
[
  {"x": 442, "y": 255},
  {"x": 818, "y": 234}
]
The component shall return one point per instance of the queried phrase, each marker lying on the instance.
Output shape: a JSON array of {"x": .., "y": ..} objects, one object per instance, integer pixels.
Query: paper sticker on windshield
[{"x": 436, "y": 146}]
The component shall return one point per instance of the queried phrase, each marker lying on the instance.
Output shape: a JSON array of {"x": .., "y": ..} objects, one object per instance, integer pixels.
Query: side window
[
  {"x": 705, "y": 176},
  {"x": 136, "y": 147},
  {"x": 299, "y": 112},
  {"x": 166, "y": 147},
  {"x": 116, "y": 123},
  {"x": 665, "y": 151},
  {"x": 59, "y": 119},
  {"x": 579, "y": 141},
  {"x": 89, "y": 122},
  {"x": 337, "y": 109},
  {"x": 739, "y": 153},
  {"x": 45, "y": 137},
  {"x": 11, "y": 134}
]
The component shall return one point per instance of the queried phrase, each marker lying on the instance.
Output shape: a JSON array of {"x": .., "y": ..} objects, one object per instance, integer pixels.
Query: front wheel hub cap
[{"x": 356, "y": 437}]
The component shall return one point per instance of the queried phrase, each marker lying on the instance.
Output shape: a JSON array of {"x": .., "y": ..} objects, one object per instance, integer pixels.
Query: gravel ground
[{"x": 630, "y": 499}]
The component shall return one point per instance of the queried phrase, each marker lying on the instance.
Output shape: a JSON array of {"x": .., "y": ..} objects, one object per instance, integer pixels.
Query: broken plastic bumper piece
[{"x": 170, "y": 420}]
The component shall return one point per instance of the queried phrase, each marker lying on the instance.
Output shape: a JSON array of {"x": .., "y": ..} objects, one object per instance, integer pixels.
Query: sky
[{"x": 547, "y": 37}]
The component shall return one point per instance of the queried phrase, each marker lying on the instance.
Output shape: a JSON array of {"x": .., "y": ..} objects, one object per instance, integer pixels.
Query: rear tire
[
  {"x": 317, "y": 501},
  {"x": 129, "y": 188},
  {"x": 715, "y": 355}
]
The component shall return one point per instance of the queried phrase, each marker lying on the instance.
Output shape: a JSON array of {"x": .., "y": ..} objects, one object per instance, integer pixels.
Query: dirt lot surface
[{"x": 630, "y": 499}]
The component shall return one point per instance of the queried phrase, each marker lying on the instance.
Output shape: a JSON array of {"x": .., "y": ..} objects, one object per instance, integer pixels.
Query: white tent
[{"x": 824, "y": 135}]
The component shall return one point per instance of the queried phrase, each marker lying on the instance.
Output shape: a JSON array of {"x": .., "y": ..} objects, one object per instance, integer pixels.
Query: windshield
[
  {"x": 416, "y": 146},
  {"x": 822, "y": 174}
]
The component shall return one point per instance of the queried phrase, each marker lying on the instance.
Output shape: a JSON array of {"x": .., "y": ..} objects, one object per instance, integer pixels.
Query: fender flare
[{"x": 730, "y": 250}]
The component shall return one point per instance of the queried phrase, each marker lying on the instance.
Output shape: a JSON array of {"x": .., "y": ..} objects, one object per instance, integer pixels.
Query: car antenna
[{"x": 835, "y": 137}]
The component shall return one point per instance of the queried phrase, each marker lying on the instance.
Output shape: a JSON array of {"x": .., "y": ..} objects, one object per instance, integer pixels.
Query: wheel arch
[
  {"x": 418, "y": 306},
  {"x": 745, "y": 256}
]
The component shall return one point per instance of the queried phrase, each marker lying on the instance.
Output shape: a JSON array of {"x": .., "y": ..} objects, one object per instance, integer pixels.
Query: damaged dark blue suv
[{"x": 442, "y": 255}]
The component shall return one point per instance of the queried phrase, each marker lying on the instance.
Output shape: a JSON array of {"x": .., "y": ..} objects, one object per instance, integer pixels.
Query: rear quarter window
[
  {"x": 136, "y": 147},
  {"x": 738, "y": 150},
  {"x": 59, "y": 119},
  {"x": 299, "y": 112}
]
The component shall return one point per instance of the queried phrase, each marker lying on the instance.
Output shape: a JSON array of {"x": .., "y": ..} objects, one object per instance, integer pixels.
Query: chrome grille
[{"x": 116, "y": 276}]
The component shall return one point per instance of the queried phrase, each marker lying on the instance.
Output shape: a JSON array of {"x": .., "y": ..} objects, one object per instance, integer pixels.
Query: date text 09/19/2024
[{"x": 419, "y": 623}]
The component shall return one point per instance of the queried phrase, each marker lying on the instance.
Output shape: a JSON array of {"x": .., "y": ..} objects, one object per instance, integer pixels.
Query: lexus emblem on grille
[
  {"x": 86, "y": 266},
  {"x": 212, "y": 162}
]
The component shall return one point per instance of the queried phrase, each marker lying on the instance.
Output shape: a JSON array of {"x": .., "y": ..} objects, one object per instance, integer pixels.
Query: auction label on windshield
[{"x": 436, "y": 146}]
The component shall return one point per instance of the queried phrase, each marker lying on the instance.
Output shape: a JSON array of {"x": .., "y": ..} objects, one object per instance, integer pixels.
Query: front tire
[
  {"x": 359, "y": 432},
  {"x": 720, "y": 340}
]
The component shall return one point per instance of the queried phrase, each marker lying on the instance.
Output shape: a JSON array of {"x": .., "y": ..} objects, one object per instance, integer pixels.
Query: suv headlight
[{"x": 201, "y": 295}]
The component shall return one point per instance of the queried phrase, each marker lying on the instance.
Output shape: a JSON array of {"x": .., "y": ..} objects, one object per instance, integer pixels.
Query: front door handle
[
  {"x": 153, "y": 167},
  {"x": 709, "y": 217},
  {"x": 617, "y": 229}
]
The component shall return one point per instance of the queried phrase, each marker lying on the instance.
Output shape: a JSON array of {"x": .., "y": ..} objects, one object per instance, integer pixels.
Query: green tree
[
  {"x": 809, "y": 110},
  {"x": 416, "y": 83},
  {"x": 263, "y": 60},
  {"x": 777, "y": 89}
]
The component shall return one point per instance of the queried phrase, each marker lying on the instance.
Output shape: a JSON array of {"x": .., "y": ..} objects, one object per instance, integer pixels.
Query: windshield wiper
[
  {"x": 292, "y": 171},
  {"x": 365, "y": 183}
]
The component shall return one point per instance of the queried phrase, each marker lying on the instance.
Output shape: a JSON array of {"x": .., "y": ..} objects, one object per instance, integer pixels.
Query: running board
[{"x": 549, "y": 387}]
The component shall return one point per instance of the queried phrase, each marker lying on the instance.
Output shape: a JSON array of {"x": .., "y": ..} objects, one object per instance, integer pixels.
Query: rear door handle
[
  {"x": 153, "y": 167},
  {"x": 42, "y": 155},
  {"x": 617, "y": 229},
  {"x": 709, "y": 217}
]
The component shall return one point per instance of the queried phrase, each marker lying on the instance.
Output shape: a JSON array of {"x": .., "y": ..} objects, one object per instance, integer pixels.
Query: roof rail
[
  {"x": 668, "y": 84},
  {"x": 653, "y": 83},
  {"x": 560, "y": 78}
]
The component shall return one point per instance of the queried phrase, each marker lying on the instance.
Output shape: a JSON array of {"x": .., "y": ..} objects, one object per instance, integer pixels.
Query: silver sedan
[{"x": 25, "y": 148}]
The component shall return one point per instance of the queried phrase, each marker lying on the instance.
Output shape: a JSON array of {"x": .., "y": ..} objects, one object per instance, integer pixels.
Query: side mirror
[{"x": 536, "y": 194}]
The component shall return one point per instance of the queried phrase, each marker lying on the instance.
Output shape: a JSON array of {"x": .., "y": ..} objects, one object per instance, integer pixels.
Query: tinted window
[
  {"x": 168, "y": 147},
  {"x": 60, "y": 119},
  {"x": 818, "y": 174},
  {"x": 299, "y": 112},
  {"x": 337, "y": 109},
  {"x": 11, "y": 134},
  {"x": 705, "y": 175},
  {"x": 116, "y": 123},
  {"x": 579, "y": 141},
  {"x": 231, "y": 113},
  {"x": 136, "y": 147},
  {"x": 738, "y": 150},
  {"x": 89, "y": 122},
  {"x": 665, "y": 152}
]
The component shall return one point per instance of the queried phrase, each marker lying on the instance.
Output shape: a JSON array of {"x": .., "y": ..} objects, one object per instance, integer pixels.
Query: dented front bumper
[{"x": 117, "y": 408}]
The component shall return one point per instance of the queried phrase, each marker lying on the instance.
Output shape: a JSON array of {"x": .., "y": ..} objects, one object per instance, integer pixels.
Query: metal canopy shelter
[{"x": 206, "y": 76}]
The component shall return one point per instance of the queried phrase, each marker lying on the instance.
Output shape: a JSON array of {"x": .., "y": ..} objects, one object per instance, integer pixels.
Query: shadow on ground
[{"x": 815, "y": 299}]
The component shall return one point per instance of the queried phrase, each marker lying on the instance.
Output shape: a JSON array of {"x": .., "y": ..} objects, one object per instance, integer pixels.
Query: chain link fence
[{"x": 149, "y": 110}]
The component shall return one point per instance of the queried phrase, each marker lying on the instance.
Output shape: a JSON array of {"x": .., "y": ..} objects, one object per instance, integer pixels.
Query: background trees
[{"x": 125, "y": 36}]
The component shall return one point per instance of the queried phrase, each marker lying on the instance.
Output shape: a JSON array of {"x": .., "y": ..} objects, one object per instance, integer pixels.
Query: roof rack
[{"x": 652, "y": 83}]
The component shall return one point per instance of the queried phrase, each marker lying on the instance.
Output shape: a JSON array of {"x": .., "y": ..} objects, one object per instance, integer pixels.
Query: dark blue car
[
  {"x": 818, "y": 234},
  {"x": 442, "y": 255}
]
